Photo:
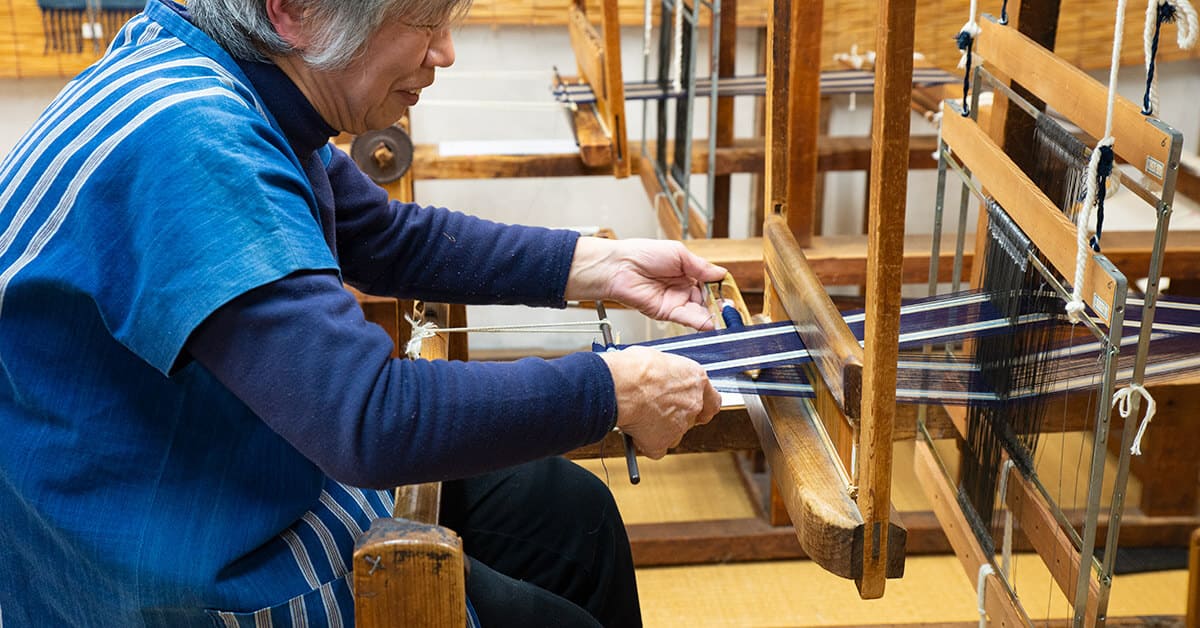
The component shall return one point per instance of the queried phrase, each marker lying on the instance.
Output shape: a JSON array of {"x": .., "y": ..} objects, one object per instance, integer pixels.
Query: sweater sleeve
[
  {"x": 403, "y": 249},
  {"x": 300, "y": 354}
]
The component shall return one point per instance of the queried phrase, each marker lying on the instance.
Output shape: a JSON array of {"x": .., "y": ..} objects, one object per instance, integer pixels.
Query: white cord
[
  {"x": 421, "y": 331},
  {"x": 1076, "y": 307},
  {"x": 985, "y": 570},
  {"x": 1122, "y": 397}
]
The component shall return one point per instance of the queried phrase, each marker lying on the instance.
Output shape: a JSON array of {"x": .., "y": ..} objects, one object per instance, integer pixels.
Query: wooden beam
[
  {"x": 834, "y": 350},
  {"x": 1188, "y": 181},
  {"x": 753, "y": 538},
  {"x": 1051, "y": 231},
  {"x": 827, "y": 522},
  {"x": 594, "y": 158},
  {"x": 1075, "y": 95},
  {"x": 667, "y": 218},
  {"x": 1001, "y": 606},
  {"x": 595, "y": 145},
  {"x": 1049, "y": 541}
]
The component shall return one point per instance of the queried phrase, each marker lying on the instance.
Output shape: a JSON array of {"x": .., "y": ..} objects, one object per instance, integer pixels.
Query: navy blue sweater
[{"x": 299, "y": 353}]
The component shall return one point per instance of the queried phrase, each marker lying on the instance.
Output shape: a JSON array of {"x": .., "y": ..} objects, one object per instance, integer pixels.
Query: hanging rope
[
  {"x": 1159, "y": 12},
  {"x": 966, "y": 43},
  {"x": 1122, "y": 398},
  {"x": 1099, "y": 168}
]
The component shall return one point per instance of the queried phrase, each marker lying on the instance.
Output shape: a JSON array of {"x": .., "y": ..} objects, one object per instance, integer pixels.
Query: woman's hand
[
  {"x": 659, "y": 397},
  {"x": 659, "y": 278}
]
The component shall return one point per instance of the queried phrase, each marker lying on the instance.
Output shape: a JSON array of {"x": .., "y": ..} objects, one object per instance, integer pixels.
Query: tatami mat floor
[{"x": 798, "y": 593}]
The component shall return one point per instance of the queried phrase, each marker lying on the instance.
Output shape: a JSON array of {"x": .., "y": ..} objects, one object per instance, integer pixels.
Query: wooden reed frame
[
  {"x": 1038, "y": 217},
  {"x": 1146, "y": 145}
]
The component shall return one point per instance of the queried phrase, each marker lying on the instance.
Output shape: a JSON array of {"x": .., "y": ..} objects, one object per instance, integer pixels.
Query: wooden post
[
  {"x": 1038, "y": 20},
  {"x": 885, "y": 254},
  {"x": 724, "y": 131},
  {"x": 803, "y": 116}
]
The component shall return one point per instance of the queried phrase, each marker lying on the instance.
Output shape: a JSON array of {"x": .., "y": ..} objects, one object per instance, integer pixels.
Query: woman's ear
[{"x": 288, "y": 20}]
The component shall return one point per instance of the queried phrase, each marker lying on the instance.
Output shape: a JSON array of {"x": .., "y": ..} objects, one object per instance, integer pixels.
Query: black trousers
[{"x": 546, "y": 547}]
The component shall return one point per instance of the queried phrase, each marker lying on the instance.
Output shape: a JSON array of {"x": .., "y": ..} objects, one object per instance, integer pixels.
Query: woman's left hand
[{"x": 659, "y": 278}]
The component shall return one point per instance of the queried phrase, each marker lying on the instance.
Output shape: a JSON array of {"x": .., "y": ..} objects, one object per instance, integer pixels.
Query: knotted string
[
  {"x": 966, "y": 43},
  {"x": 1122, "y": 398},
  {"x": 1159, "y": 12}
]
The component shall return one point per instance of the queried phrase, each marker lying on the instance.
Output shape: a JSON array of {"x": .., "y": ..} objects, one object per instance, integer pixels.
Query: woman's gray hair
[{"x": 340, "y": 28}]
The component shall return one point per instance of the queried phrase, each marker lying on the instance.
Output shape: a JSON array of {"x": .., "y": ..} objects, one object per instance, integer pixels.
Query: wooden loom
[
  {"x": 823, "y": 269},
  {"x": 1152, "y": 148},
  {"x": 842, "y": 366}
]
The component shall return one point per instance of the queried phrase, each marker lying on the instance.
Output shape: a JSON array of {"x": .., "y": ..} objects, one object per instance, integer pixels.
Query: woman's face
[{"x": 380, "y": 84}]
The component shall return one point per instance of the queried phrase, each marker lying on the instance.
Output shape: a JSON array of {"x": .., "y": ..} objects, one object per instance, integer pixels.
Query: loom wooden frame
[
  {"x": 600, "y": 129},
  {"x": 1154, "y": 151}
]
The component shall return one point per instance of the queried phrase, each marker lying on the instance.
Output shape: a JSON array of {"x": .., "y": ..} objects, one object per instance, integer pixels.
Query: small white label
[
  {"x": 1100, "y": 306},
  {"x": 1154, "y": 167}
]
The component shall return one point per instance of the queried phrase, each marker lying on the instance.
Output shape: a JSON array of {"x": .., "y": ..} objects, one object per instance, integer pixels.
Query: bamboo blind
[{"x": 1084, "y": 31}]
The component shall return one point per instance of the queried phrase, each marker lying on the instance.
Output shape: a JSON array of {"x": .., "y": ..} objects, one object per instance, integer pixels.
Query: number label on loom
[
  {"x": 1100, "y": 306},
  {"x": 1154, "y": 167}
]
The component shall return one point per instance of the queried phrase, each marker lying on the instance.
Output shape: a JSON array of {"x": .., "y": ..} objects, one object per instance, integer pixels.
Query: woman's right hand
[{"x": 659, "y": 397}]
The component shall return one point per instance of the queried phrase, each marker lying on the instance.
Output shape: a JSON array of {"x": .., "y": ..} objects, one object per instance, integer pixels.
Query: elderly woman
[{"x": 194, "y": 410}]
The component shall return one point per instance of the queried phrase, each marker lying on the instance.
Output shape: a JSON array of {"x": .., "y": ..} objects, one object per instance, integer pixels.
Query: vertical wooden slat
[
  {"x": 614, "y": 103},
  {"x": 725, "y": 68},
  {"x": 803, "y": 116},
  {"x": 885, "y": 252},
  {"x": 776, "y": 165}
]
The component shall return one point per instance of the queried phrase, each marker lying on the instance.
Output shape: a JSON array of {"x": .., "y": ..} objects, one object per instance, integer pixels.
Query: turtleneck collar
[{"x": 303, "y": 126}]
